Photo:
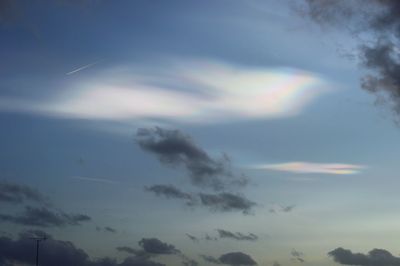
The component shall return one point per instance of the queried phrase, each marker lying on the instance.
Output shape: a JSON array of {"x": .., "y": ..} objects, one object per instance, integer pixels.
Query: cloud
[
  {"x": 280, "y": 208},
  {"x": 225, "y": 202},
  {"x": 16, "y": 193},
  {"x": 236, "y": 258},
  {"x": 237, "y": 236},
  {"x": 175, "y": 148},
  {"x": 312, "y": 168},
  {"x": 191, "y": 91},
  {"x": 156, "y": 246},
  {"x": 375, "y": 257},
  {"x": 110, "y": 229},
  {"x": 171, "y": 192},
  {"x": 276, "y": 263},
  {"x": 44, "y": 217},
  {"x": 232, "y": 258},
  {"x": 297, "y": 256},
  {"x": 193, "y": 238},
  {"x": 222, "y": 202},
  {"x": 57, "y": 252},
  {"x": 378, "y": 52}
]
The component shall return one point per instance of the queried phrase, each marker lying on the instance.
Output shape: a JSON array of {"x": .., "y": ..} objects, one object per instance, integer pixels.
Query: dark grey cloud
[
  {"x": 237, "y": 236},
  {"x": 375, "y": 257},
  {"x": 56, "y": 252},
  {"x": 174, "y": 148},
  {"x": 232, "y": 258},
  {"x": 193, "y": 238},
  {"x": 128, "y": 250},
  {"x": 378, "y": 53},
  {"x": 17, "y": 193},
  {"x": 222, "y": 202},
  {"x": 190, "y": 262},
  {"x": 236, "y": 258},
  {"x": 297, "y": 256},
  {"x": 44, "y": 217},
  {"x": 226, "y": 201},
  {"x": 156, "y": 246},
  {"x": 110, "y": 230},
  {"x": 172, "y": 192}
]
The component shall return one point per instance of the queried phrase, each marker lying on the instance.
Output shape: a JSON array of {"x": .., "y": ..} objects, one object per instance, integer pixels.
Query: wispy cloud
[
  {"x": 313, "y": 168},
  {"x": 191, "y": 91}
]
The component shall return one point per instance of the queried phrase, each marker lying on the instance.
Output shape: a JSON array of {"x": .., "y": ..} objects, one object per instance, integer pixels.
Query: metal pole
[{"x": 37, "y": 251}]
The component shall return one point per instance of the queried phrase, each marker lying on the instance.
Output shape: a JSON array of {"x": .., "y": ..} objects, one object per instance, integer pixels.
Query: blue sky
[{"x": 128, "y": 111}]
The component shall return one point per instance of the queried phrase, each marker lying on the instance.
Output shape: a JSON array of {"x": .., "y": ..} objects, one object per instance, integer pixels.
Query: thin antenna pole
[{"x": 38, "y": 239}]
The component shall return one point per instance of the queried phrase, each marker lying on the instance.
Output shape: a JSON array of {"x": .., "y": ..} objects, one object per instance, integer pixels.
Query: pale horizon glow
[{"x": 313, "y": 168}]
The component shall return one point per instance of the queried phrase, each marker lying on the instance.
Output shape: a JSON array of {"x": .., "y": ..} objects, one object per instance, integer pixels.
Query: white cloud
[
  {"x": 194, "y": 91},
  {"x": 313, "y": 168}
]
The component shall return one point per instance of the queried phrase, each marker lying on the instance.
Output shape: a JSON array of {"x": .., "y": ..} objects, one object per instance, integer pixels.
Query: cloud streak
[
  {"x": 312, "y": 168},
  {"x": 219, "y": 202}
]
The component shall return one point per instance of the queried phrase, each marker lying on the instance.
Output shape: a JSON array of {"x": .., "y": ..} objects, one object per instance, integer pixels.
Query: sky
[{"x": 151, "y": 133}]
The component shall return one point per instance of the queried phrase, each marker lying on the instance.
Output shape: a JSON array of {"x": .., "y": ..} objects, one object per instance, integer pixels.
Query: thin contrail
[
  {"x": 83, "y": 67},
  {"x": 101, "y": 180}
]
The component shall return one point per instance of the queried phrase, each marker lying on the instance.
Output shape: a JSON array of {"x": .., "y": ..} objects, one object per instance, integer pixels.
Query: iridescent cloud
[
  {"x": 192, "y": 91},
  {"x": 310, "y": 168}
]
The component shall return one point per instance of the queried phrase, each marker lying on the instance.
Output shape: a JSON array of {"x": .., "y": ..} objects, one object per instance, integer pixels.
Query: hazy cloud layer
[
  {"x": 237, "y": 236},
  {"x": 378, "y": 50},
  {"x": 16, "y": 193},
  {"x": 174, "y": 148},
  {"x": 375, "y": 257},
  {"x": 44, "y": 217}
]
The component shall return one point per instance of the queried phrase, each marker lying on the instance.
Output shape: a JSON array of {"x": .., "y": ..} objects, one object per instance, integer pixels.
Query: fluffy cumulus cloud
[
  {"x": 184, "y": 90},
  {"x": 376, "y": 24},
  {"x": 177, "y": 149},
  {"x": 44, "y": 217},
  {"x": 375, "y": 257},
  {"x": 236, "y": 236},
  {"x": 312, "y": 168},
  {"x": 16, "y": 193}
]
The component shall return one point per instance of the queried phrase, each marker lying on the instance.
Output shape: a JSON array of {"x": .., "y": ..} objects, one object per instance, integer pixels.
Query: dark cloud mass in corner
[
  {"x": 177, "y": 149},
  {"x": 375, "y": 257},
  {"x": 237, "y": 236},
  {"x": 379, "y": 52},
  {"x": 156, "y": 246},
  {"x": 16, "y": 193},
  {"x": 225, "y": 202},
  {"x": 44, "y": 217},
  {"x": 236, "y": 258}
]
